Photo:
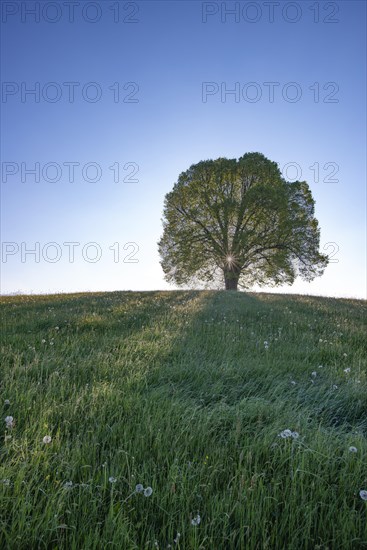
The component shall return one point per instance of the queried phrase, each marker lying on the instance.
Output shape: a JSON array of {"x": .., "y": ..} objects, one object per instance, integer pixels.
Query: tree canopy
[{"x": 240, "y": 221}]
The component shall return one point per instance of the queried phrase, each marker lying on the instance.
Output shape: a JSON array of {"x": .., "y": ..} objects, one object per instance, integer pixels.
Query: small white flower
[
  {"x": 295, "y": 435},
  {"x": 9, "y": 420},
  {"x": 197, "y": 519},
  {"x": 266, "y": 344},
  {"x": 47, "y": 439},
  {"x": 335, "y": 387},
  {"x": 320, "y": 366},
  {"x": 314, "y": 374},
  {"x": 7, "y": 402},
  {"x": 353, "y": 449},
  {"x": 43, "y": 341},
  {"x": 139, "y": 488},
  {"x": 363, "y": 494},
  {"x": 112, "y": 479},
  {"x": 148, "y": 491},
  {"x": 345, "y": 355},
  {"x": 347, "y": 370},
  {"x": 57, "y": 328}
]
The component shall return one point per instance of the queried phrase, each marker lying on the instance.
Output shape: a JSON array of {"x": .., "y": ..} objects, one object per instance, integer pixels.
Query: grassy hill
[{"x": 186, "y": 393}]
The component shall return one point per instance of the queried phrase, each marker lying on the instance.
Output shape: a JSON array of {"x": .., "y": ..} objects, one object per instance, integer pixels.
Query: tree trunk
[{"x": 231, "y": 280}]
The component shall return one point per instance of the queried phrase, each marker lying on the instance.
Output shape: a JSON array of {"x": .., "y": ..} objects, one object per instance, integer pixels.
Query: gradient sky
[{"x": 168, "y": 49}]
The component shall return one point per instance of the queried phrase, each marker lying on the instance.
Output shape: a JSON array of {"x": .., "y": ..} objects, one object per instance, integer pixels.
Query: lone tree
[{"x": 239, "y": 220}]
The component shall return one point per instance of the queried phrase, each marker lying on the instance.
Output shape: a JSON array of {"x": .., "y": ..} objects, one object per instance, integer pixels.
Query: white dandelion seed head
[
  {"x": 148, "y": 491},
  {"x": 363, "y": 494},
  {"x": 9, "y": 420},
  {"x": 68, "y": 484},
  {"x": 112, "y": 479},
  {"x": 353, "y": 449},
  {"x": 196, "y": 520},
  {"x": 285, "y": 433},
  {"x": 47, "y": 439},
  {"x": 139, "y": 488}
]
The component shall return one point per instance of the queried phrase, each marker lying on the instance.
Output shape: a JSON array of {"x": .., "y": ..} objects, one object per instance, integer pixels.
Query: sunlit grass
[{"x": 188, "y": 394}]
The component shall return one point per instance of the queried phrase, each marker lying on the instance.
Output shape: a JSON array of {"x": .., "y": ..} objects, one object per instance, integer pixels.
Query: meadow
[{"x": 189, "y": 420}]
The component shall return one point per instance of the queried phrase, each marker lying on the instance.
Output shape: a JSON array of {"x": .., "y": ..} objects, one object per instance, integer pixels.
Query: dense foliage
[{"x": 241, "y": 221}]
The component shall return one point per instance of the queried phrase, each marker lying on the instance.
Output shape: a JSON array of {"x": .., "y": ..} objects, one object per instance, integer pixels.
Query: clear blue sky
[{"x": 169, "y": 52}]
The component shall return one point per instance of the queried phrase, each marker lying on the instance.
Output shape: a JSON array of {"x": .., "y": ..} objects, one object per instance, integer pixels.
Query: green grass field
[{"x": 186, "y": 393}]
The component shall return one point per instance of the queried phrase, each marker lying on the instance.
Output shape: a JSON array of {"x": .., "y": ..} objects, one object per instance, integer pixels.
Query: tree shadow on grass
[{"x": 221, "y": 357}]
